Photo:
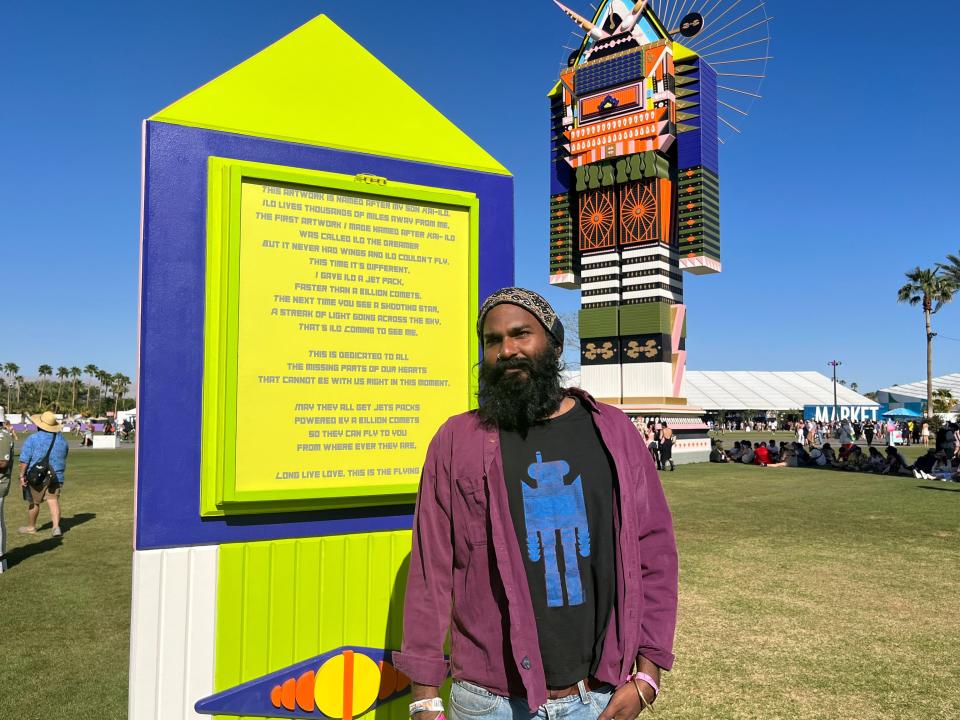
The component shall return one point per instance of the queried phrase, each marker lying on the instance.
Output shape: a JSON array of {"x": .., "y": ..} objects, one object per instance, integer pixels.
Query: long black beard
[{"x": 516, "y": 401}]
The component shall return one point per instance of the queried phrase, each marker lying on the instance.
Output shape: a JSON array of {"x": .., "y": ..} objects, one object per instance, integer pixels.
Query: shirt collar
[{"x": 585, "y": 397}]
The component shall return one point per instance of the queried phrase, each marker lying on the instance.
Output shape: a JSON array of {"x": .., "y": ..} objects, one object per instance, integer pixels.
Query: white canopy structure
[
  {"x": 918, "y": 390},
  {"x": 759, "y": 390},
  {"x": 765, "y": 390}
]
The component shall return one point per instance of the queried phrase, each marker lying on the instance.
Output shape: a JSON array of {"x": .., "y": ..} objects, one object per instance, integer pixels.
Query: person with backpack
[{"x": 43, "y": 461}]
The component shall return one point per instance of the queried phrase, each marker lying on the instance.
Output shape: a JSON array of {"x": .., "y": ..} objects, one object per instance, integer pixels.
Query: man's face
[
  {"x": 511, "y": 332},
  {"x": 520, "y": 373}
]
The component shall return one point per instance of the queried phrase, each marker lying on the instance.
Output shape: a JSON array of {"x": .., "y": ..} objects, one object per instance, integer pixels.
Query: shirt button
[{"x": 526, "y": 663}]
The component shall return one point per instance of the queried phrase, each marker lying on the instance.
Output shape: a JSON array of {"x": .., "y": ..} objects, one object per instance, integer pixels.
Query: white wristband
[{"x": 433, "y": 704}]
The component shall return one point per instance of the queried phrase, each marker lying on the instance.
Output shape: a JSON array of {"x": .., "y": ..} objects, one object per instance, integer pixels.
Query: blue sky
[{"x": 843, "y": 179}]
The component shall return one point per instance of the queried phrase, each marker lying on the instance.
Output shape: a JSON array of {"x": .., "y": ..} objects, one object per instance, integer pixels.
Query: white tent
[
  {"x": 918, "y": 390},
  {"x": 766, "y": 390},
  {"x": 758, "y": 390}
]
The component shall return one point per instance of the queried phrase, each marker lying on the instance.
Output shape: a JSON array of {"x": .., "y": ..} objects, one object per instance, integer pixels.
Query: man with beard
[{"x": 543, "y": 544}]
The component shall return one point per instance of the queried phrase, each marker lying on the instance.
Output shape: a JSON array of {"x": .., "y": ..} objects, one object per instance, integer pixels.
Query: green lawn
[
  {"x": 815, "y": 594},
  {"x": 804, "y": 594},
  {"x": 64, "y": 645}
]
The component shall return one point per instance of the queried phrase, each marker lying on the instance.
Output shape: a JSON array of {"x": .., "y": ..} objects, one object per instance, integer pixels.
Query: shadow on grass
[
  {"x": 939, "y": 489},
  {"x": 25, "y": 552}
]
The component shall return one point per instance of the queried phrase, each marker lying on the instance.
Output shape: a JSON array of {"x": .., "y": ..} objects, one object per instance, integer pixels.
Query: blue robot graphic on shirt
[{"x": 552, "y": 505}]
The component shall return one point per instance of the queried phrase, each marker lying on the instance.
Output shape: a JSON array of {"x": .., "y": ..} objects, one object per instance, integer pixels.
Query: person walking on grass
[
  {"x": 6, "y": 474},
  {"x": 47, "y": 441}
]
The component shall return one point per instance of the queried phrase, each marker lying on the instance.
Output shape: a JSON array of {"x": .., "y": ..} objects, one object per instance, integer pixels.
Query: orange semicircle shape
[
  {"x": 388, "y": 680},
  {"x": 305, "y": 691},
  {"x": 288, "y": 694}
]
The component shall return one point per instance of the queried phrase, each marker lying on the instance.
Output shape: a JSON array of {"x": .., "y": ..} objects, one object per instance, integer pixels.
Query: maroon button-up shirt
[{"x": 467, "y": 574}]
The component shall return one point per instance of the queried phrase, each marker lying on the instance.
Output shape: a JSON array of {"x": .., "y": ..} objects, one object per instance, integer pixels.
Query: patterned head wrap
[{"x": 531, "y": 302}]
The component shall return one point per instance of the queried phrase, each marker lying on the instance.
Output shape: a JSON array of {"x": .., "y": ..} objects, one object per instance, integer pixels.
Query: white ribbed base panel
[
  {"x": 601, "y": 381},
  {"x": 173, "y": 622},
  {"x": 691, "y": 451},
  {"x": 652, "y": 379}
]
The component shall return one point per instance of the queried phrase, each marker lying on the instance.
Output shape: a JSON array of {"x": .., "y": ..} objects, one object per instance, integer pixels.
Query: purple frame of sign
[{"x": 172, "y": 290}]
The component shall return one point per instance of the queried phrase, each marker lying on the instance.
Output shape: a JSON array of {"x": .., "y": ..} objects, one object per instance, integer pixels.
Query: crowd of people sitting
[{"x": 941, "y": 462}]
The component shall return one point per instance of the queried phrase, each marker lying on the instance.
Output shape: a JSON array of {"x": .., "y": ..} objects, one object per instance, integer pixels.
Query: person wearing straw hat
[{"x": 47, "y": 439}]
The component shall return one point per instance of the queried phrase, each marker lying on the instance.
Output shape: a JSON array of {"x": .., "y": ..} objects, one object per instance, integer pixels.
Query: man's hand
[
  {"x": 23, "y": 481},
  {"x": 625, "y": 703}
]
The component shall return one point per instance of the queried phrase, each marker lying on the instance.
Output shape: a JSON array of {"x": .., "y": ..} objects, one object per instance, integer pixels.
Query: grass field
[
  {"x": 804, "y": 594},
  {"x": 64, "y": 644}
]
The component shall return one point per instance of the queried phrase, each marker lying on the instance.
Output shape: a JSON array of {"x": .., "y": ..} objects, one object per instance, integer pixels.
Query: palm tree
[
  {"x": 75, "y": 374},
  {"x": 120, "y": 384},
  {"x": 19, "y": 380},
  {"x": 943, "y": 401},
  {"x": 931, "y": 290},
  {"x": 62, "y": 374},
  {"x": 951, "y": 270},
  {"x": 45, "y": 371},
  {"x": 92, "y": 371},
  {"x": 105, "y": 379},
  {"x": 11, "y": 370}
]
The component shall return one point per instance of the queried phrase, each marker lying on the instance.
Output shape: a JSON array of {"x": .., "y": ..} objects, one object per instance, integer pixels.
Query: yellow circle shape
[{"x": 329, "y": 690}]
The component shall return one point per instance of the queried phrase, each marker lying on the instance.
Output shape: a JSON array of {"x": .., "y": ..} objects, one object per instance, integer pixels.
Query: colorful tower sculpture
[{"x": 635, "y": 203}]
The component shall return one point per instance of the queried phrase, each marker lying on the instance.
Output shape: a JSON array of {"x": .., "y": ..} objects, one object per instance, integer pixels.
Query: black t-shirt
[{"x": 560, "y": 485}]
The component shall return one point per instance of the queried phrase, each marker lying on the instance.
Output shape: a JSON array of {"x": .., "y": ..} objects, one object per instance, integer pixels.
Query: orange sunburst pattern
[
  {"x": 597, "y": 220},
  {"x": 639, "y": 219}
]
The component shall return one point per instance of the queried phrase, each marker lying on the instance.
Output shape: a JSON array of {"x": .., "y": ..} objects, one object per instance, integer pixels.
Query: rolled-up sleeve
[
  {"x": 428, "y": 598},
  {"x": 659, "y": 570}
]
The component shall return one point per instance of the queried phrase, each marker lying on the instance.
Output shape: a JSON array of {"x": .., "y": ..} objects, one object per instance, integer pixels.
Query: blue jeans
[{"x": 472, "y": 702}]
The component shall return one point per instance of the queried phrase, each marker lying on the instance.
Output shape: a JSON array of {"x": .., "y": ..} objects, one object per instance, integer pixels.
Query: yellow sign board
[{"x": 349, "y": 313}]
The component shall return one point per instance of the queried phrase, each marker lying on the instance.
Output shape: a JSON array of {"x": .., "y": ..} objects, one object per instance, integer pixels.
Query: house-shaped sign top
[{"x": 318, "y": 86}]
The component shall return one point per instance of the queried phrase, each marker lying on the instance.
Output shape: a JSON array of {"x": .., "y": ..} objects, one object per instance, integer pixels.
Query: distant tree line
[{"x": 91, "y": 391}]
